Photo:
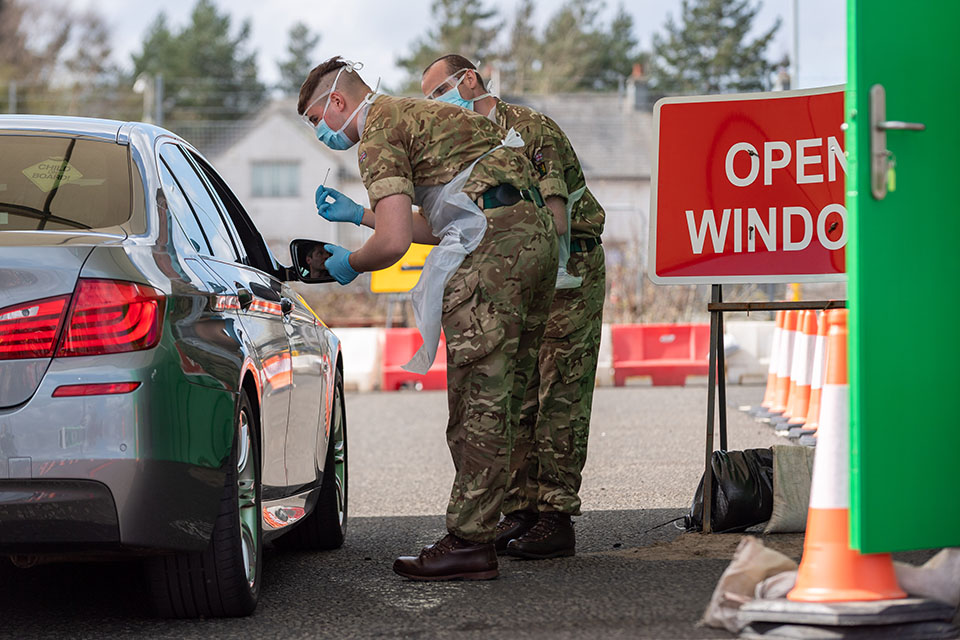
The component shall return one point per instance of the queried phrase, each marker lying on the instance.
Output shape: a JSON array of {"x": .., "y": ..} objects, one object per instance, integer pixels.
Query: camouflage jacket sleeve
[
  {"x": 383, "y": 158},
  {"x": 540, "y": 145},
  {"x": 587, "y": 217}
]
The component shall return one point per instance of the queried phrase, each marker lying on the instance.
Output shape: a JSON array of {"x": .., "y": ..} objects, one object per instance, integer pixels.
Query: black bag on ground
[{"x": 742, "y": 491}]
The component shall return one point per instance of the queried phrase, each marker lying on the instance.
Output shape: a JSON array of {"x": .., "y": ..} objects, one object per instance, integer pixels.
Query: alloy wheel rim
[
  {"x": 339, "y": 456},
  {"x": 247, "y": 501}
]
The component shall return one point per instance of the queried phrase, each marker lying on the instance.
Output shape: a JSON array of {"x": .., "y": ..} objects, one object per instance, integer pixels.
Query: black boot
[
  {"x": 551, "y": 537},
  {"x": 513, "y": 526}
]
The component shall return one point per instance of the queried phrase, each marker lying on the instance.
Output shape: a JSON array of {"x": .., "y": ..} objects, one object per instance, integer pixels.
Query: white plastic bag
[
  {"x": 460, "y": 225},
  {"x": 752, "y": 563}
]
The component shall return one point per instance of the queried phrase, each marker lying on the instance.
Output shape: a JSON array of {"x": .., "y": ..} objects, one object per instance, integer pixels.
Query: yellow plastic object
[{"x": 403, "y": 275}]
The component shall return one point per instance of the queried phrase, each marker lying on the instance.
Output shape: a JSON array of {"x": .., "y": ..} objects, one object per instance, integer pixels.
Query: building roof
[{"x": 612, "y": 138}]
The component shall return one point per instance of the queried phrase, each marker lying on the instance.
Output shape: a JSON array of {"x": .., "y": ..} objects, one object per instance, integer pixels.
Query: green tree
[
  {"x": 576, "y": 51},
  {"x": 208, "y": 73},
  {"x": 465, "y": 27},
  {"x": 521, "y": 60},
  {"x": 570, "y": 43},
  {"x": 299, "y": 60},
  {"x": 59, "y": 59},
  {"x": 709, "y": 51},
  {"x": 616, "y": 54}
]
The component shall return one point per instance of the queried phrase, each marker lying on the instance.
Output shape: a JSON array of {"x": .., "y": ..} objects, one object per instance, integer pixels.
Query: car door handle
[
  {"x": 244, "y": 297},
  {"x": 286, "y": 306}
]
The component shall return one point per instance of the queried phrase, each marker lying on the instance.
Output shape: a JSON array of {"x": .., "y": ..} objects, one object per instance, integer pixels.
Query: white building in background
[
  {"x": 276, "y": 165},
  {"x": 613, "y": 137}
]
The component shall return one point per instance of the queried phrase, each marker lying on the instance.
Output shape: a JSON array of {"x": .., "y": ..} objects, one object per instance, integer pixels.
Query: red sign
[{"x": 749, "y": 188}]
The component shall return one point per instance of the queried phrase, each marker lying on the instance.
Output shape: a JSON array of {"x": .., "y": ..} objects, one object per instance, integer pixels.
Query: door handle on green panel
[
  {"x": 900, "y": 125},
  {"x": 881, "y": 170}
]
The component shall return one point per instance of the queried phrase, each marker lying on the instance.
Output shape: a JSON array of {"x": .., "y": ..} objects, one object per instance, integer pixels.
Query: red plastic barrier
[
  {"x": 668, "y": 353},
  {"x": 399, "y": 345}
]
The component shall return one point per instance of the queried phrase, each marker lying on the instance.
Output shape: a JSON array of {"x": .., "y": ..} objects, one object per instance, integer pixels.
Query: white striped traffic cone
[
  {"x": 803, "y": 368},
  {"x": 830, "y": 571}
]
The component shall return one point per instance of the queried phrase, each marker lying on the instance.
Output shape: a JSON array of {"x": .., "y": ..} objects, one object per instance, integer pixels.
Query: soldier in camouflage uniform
[
  {"x": 546, "y": 470},
  {"x": 495, "y": 305}
]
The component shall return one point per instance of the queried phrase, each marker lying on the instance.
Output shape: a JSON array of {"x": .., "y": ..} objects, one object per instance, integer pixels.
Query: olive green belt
[
  {"x": 583, "y": 245},
  {"x": 507, "y": 195}
]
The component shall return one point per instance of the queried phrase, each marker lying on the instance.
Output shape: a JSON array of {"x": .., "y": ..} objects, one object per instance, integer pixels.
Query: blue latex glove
[
  {"x": 338, "y": 265},
  {"x": 342, "y": 209}
]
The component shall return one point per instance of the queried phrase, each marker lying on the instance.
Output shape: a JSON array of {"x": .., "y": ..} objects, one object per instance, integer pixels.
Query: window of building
[{"x": 276, "y": 179}]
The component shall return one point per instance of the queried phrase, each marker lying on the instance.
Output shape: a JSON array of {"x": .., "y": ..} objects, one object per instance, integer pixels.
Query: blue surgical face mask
[
  {"x": 336, "y": 140},
  {"x": 453, "y": 95}
]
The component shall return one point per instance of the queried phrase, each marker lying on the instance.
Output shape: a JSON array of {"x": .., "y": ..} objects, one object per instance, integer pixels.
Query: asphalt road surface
[{"x": 630, "y": 578}]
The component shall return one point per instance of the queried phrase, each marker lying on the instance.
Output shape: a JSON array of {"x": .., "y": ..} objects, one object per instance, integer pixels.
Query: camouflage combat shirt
[
  {"x": 556, "y": 163},
  {"x": 410, "y": 141}
]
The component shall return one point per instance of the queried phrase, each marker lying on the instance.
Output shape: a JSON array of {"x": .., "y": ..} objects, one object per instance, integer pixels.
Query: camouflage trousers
[
  {"x": 551, "y": 447},
  {"x": 495, "y": 309}
]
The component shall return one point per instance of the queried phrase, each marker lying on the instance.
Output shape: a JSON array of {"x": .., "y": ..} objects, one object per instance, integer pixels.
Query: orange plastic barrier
[
  {"x": 668, "y": 353},
  {"x": 399, "y": 345}
]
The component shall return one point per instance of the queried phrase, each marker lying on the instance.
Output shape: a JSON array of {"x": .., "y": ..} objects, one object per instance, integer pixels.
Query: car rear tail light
[
  {"x": 109, "y": 316},
  {"x": 30, "y": 330},
  {"x": 110, "y": 388}
]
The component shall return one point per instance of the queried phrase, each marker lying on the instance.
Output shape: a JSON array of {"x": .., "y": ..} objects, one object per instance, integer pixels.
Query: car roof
[{"x": 109, "y": 130}]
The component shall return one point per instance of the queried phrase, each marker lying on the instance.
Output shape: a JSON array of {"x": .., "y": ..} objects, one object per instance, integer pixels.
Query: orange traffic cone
[
  {"x": 782, "y": 396},
  {"x": 830, "y": 571},
  {"x": 816, "y": 382},
  {"x": 770, "y": 394},
  {"x": 803, "y": 368}
]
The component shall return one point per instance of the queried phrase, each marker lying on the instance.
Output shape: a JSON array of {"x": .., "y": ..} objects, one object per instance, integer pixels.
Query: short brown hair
[
  {"x": 455, "y": 63},
  {"x": 316, "y": 74}
]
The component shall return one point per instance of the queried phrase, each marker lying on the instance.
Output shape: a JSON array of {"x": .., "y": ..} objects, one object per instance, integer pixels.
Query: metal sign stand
[{"x": 717, "y": 379}]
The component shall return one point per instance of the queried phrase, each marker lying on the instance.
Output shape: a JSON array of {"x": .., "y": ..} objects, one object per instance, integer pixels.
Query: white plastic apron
[
  {"x": 460, "y": 225},
  {"x": 564, "y": 279}
]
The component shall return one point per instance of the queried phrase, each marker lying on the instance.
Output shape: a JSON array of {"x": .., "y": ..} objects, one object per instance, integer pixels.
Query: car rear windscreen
[{"x": 62, "y": 183}]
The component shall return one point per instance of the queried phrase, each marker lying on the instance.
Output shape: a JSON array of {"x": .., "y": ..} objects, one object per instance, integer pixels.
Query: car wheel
[
  {"x": 224, "y": 579},
  {"x": 325, "y": 527}
]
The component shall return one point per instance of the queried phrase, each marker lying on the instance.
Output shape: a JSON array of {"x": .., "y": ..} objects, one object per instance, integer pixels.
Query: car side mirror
[{"x": 309, "y": 257}]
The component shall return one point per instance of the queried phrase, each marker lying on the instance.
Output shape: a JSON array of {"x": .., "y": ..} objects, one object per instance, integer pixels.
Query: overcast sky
[{"x": 378, "y": 31}]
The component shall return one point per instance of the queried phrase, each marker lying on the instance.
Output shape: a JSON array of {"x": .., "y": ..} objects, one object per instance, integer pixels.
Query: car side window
[
  {"x": 201, "y": 168},
  {"x": 203, "y": 205},
  {"x": 256, "y": 248},
  {"x": 177, "y": 203}
]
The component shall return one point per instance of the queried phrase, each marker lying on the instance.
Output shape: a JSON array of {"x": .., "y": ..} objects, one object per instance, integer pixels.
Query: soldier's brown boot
[
  {"x": 450, "y": 558},
  {"x": 513, "y": 525},
  {"x": 551, "y": 537}
]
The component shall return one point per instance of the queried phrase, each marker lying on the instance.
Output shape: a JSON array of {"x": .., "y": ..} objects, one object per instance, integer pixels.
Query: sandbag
[
  {"x": 742, "y": 484},
  {"x": 792, "y": 473}
]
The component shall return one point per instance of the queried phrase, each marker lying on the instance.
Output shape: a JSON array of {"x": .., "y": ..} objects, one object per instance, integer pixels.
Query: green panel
[{"x": 903, "y": 262}]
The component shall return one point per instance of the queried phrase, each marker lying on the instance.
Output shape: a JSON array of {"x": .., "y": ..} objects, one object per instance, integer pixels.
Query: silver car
[{"x": 163, "y": 390}]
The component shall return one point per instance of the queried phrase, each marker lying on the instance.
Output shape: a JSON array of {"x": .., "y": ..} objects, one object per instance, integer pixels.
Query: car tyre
[
  {"x": 325, "y": 528},
  {"x": 224, "y": 579}
]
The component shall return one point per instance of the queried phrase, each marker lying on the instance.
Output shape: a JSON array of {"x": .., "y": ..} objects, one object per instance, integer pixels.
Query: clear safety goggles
[
  {"x": 448, "y": 84},
  {"x": 313, "y": 121}
]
